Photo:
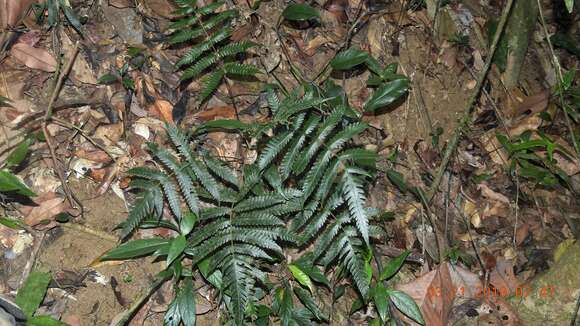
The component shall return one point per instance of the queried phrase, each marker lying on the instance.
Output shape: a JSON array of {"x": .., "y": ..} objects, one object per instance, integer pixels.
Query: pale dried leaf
[
  {"x": 34, "y": 58},
  {"x": 48, "y": 206}
]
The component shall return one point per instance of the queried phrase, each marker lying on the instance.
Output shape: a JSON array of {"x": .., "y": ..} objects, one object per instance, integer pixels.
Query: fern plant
[
  {"x": 213, "y": 54},
  {"x": 306, "y": 189}
]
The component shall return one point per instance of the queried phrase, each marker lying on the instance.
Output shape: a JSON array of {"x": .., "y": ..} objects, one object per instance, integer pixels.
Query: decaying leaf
[
  {"x": 164, "y": 110},
  {"x": 436, "y": 291},
  {"x": 12, "y": 11},
  {"x": 48, "y": 206},
  {"x": 34, "y": 58}
]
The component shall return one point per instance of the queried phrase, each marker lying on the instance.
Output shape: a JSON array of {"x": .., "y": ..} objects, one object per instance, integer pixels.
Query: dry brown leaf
[
  {"x": 34, "y": 58},
  {"x": 502, "y": 277},
  {"x": 121, "y": 3},
  {"x": 493, "y": 147},
  {"x": 218, "y": 112},
  {"x": 436, "y": 291},
  {"x": 109, "y": 134},
  {"x": 530, "y": 123},
  {"x": 11, "y": 11},
  {"x": 164, "y": 110},
  {"x": 493, "y": 195},
  {"x": 338, "y": 8},
  {"x": 49, "y": 205},
  {"x": 93, "y": 155},
  {"x": 518, "y": 103}
]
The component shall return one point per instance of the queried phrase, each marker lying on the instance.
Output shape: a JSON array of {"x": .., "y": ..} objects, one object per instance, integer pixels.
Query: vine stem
[
  {"x": 466, "y": 119},
  {"x": 140, "y": 300}
]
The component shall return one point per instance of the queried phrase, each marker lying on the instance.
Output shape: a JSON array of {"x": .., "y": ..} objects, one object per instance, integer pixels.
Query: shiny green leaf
[
  {"x": 406, "y": 305},
  {"x": 393, "y": 266},
  {"x": 301, "y": 277},
  {"x": 349, "y": 59},
  {"x": 387, "y": 94},
  {"x": 135, "y": 248},
  {"x": 30, "y": 296},
  {"x": 176, "y": 248},
  {"x": 300, "y": 12},
  {"x": 10, "y": 183}
]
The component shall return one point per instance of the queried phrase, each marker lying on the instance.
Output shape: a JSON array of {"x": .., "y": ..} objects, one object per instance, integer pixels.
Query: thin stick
[
  {"x": 573, "y": 321},
  {"x": 47, "y": 117},
  {"x": 466, "y": 118},
  {"x": 558, "y": 69}
]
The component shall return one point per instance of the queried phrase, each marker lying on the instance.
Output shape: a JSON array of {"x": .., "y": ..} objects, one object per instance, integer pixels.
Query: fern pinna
[
  {"x": 307, "y": 187},
  {"x": 213, "y": 54}
]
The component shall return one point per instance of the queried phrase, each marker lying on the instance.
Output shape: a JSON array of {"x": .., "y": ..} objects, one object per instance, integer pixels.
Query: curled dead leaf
[{"x": 34, "y": 58}]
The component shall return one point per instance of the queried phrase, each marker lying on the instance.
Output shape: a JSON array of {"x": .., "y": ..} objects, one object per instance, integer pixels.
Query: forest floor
[{"x": 501, "y": 231}]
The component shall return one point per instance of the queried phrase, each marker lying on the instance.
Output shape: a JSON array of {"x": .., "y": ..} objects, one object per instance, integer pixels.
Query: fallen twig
[
  {"x": 47, "y": 117},
  {"x": 466, "y": 117}
]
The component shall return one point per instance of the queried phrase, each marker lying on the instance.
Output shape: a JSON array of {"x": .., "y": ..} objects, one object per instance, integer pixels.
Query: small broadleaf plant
[
  {"x": 213, "y": 55},
  {"x": 306, "y": 189}
]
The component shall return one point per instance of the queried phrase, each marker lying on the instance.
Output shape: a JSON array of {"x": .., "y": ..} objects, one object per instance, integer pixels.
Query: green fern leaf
[
  {"x": 180, "y": 141},
  {"x": 210, "y": 84},
  {"x": 296, "y": 146},
  {"x": 142, "y": 208},
  {"x": 195, "y": 52},
  {"x": 221, "y": 170},
  {"x": 206, "y": 179},
  {"x": 257, "y": 202},
  {"x": 354, "y": 195},
  {"x": 190, "y": 34},
  {"x": 232, "y": 68},
  {"x": 323, "y": 132}
]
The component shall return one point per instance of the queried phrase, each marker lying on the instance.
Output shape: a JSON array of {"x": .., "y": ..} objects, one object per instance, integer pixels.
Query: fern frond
[
  {"x": 273, "y": 100},
  {"x": 296, "y": 146},
  {"x": 142, "y": 208},
  {"x": 206, "y": 179},
  {"x": 218, "y": 168},
  {"x": 237, "y": 282},
  {"x": 328, "y": 236},
  {"x": 232, "y": 49},
  {"x": 180, "y": 141},
  {"x": 232, "y": 68},
  {"x": 354, "y": 194},
  {"x": 172, "y": 196},
  {"x": 195, "y": 52},
  {"x": 319, "y": 220},
  {"x": 258, "y": 202},
  {"x": 147, "y": 173},
  {"x": 274, "y": 147},
  {"x": 201, "y": 65},
  {"x": 210, "y": 83},
  {"x": 213, "y": 212},
  {"x": 258, "y": 219},
  {"x": 353, "y": 259},
  {"x": 323, "y": 132},
  {"x": 185, "y": 35}
]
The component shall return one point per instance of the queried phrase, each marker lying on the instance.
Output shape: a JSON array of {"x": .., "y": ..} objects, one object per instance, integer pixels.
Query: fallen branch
[
  {"x": 465, "y": 121},
  {"x": 47, "y": 117}
]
